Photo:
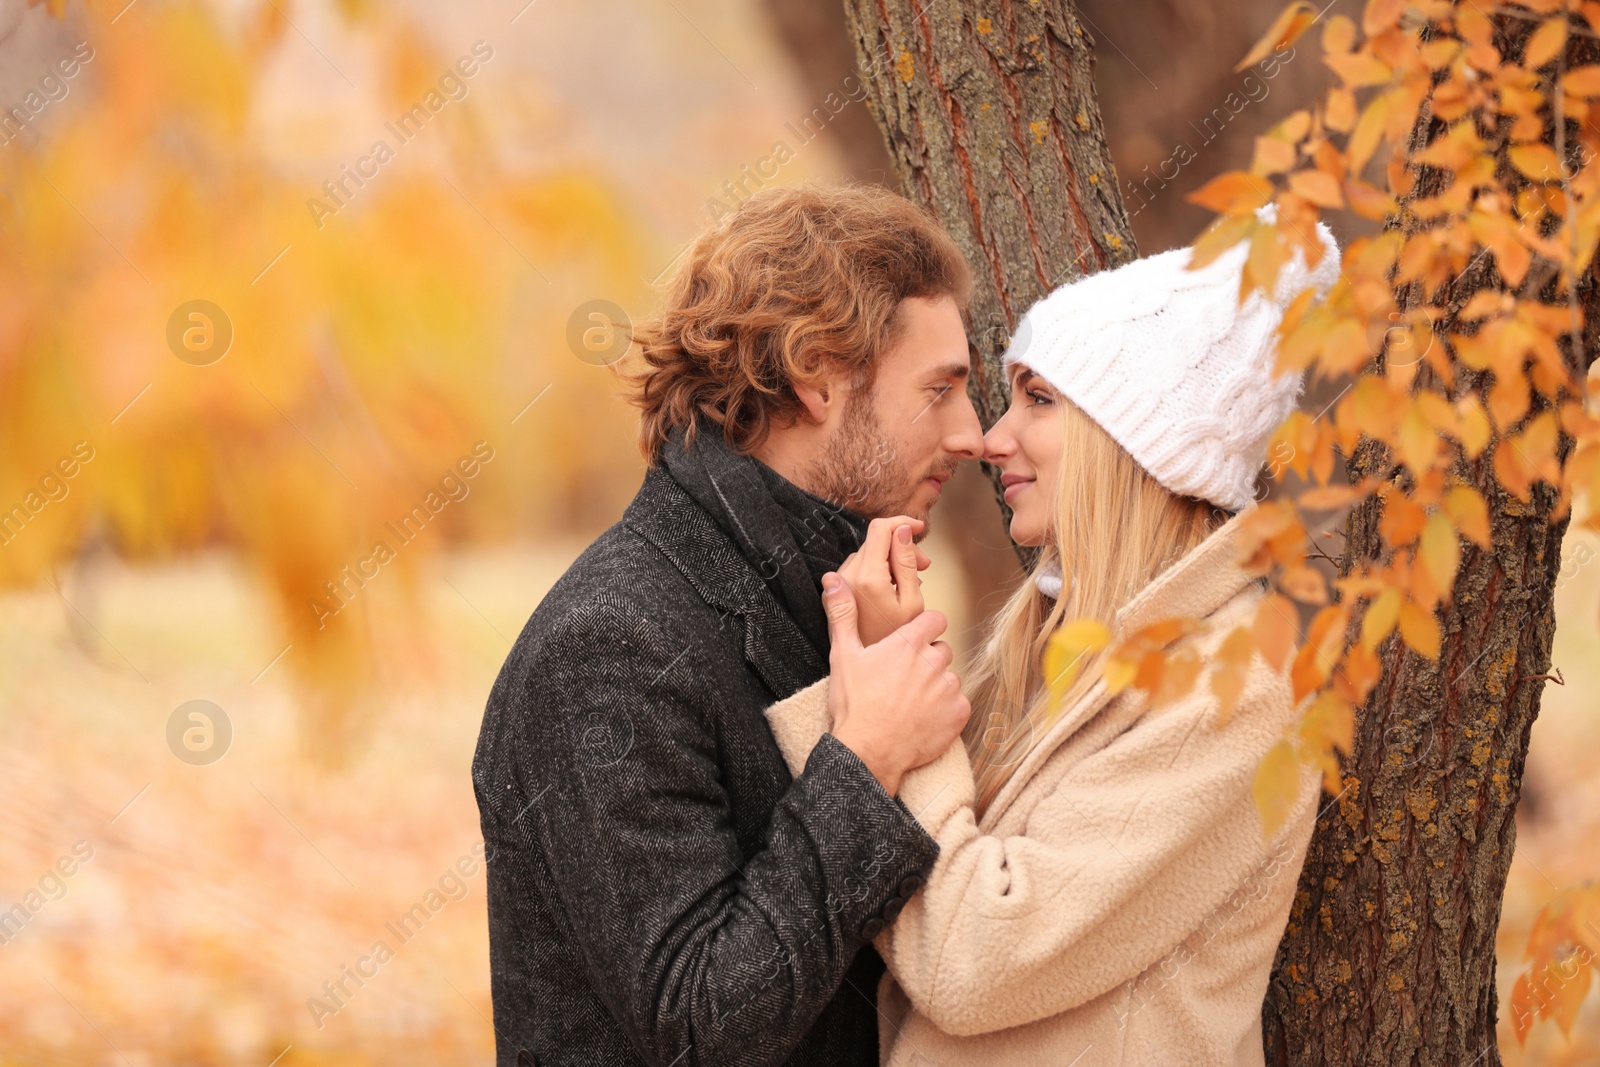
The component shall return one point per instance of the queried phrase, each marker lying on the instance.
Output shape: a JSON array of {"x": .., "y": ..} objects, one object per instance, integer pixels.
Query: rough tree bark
[
  {"x": 1390, "y": 954},
  {"x": 992, "y": 122}
]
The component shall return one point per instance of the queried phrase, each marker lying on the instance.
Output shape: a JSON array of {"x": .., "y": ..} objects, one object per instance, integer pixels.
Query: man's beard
[{"x": 860, "y": 468}]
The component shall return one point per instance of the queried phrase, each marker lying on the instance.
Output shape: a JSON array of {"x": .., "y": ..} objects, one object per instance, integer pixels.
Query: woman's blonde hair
[{"x": 1116, "y": 528}]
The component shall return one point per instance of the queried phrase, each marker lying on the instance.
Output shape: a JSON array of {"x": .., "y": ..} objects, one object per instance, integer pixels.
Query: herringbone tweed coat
[{"x": 661, "y": 889}]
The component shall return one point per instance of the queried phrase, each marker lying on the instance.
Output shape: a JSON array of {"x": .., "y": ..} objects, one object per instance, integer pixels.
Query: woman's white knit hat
[{"x": 1172, "y": 366}]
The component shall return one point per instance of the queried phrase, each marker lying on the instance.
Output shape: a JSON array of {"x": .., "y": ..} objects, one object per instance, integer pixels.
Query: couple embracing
[{"x": 741, "y": 809}]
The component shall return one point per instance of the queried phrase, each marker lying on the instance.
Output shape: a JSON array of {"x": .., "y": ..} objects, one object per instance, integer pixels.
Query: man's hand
[
  {"x": 896, "y": 704},
  {"x": 884, "y": 577}
]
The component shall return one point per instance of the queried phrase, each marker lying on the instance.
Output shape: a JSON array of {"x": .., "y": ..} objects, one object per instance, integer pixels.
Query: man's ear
[{"x": 820, "y": 399}]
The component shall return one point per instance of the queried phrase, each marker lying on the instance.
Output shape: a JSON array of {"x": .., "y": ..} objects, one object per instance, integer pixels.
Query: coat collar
[
  {"x": 666, "y": 516},
  {"x": 1194, "y": 587}
]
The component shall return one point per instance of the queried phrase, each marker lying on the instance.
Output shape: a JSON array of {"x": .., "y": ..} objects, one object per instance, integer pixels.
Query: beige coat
[{"x": 1116, "y": 904}]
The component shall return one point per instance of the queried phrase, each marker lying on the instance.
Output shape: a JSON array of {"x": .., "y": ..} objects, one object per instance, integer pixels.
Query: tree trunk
[
  {"x": 992, "y": 123},
  {"x": 1390, "y": 953}
]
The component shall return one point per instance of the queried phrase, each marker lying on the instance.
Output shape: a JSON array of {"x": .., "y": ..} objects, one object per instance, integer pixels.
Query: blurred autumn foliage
[{"x": 391, "y": 309}]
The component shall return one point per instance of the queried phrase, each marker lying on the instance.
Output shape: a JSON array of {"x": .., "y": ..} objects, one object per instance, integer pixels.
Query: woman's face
[{"x": 1026, "y": 445}]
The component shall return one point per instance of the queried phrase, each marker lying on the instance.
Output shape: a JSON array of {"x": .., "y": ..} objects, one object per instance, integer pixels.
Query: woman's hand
[{"x": 883, "y": 577}]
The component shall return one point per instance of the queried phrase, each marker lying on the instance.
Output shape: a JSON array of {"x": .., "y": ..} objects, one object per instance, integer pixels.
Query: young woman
[{"x": 1103, "y": 892}]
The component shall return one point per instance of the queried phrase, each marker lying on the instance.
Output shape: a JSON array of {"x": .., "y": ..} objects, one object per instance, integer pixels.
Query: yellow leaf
[
  {"x": 1419, "y": 441},
  {"x": 1222, "y": 236},
  {"x": 1338, "y": 35},
  {"x": 1420, "y": 630},
  {"x": 1119, "y": 674},
  {"x": 1475, "y": 428},
  {"x": 1329, "y": 724},
  {"x": 1440, "y": 550},
  {"x": 1466, "y": 508},
  {"x": 1369, "y": 129},
  {"x": 1066, "y": 651},
  {"x": 1380, "y": 619},
  {"x": 1277, "y": 785},
  {"x": 1546, "y": 43},
  {"x": 1290, "y": 24}
]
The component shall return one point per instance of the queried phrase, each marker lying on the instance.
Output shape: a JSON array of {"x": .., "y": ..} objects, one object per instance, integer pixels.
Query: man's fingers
[{"x": 840, "y": 604}]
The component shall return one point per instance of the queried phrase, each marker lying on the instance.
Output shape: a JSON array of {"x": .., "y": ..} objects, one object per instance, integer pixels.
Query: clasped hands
[{"x": 893, "y": 698}]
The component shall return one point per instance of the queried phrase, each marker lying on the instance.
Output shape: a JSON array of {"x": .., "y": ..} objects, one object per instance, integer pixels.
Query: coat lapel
[{"x": 668, "y": 518}]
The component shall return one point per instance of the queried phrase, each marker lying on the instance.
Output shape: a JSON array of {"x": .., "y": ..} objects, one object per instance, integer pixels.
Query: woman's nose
[{"x": 1000, "y": 443}]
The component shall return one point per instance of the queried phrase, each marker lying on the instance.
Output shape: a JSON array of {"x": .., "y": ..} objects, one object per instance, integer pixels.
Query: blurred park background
[{"x": 389, "y": 350}]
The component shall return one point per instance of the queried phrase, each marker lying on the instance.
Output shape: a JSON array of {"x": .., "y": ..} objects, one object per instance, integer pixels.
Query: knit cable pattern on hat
[{"x": 1172, "y": 366}]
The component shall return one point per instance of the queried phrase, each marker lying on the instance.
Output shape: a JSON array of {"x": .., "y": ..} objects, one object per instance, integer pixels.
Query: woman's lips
[{"x": 1013, "y": 486}]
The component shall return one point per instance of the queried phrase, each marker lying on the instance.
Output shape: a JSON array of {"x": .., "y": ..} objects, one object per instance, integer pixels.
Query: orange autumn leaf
[
  {"x": 1546, "y": 43},
  {"x": 1276, "y": 628},
  {"x": 1230, "y": 668},
  {"x": 1467, "y": 509},
  {"x": 1319, "y": 187},
  {"x": 1420, "y": 630},
  {"x": 1234, "y": 193},
  {"x": 1305, "y": 584},
  {"x": 1291, "y": 22},
  {"x": 1581, "y": 81}
]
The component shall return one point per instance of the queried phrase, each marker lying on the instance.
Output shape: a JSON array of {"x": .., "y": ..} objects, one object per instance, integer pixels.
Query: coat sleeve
[
  {"x": 704, "y": 954},
  {"x": 1133, "y": 850}
]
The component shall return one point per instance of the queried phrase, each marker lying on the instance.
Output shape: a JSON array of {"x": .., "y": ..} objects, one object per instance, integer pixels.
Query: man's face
[{"x": 898, "y": 443}]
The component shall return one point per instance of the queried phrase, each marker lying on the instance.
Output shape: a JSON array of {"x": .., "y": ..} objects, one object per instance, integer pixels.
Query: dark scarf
[{"x": 791, "y": 537}]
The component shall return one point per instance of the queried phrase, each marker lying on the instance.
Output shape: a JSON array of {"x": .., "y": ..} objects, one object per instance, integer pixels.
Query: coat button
[
  {"x": 891, "y": 910},
  {"x": 872, "y": 927},
  {"x": 912, "y": 883}
]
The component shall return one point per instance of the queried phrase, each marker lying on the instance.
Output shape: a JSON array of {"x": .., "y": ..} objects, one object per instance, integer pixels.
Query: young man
[{"x": 661, "y": 889}]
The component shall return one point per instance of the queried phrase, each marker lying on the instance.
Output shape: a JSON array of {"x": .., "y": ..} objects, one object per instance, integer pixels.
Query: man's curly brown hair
[{"x": 797, "y": 283}]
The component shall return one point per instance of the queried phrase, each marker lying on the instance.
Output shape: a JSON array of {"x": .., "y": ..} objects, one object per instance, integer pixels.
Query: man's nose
[{"x": 966, "y": 437}]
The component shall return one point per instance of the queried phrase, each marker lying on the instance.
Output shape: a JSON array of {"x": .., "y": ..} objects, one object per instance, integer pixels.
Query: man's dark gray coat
[{"x": 661, "y": 890}]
